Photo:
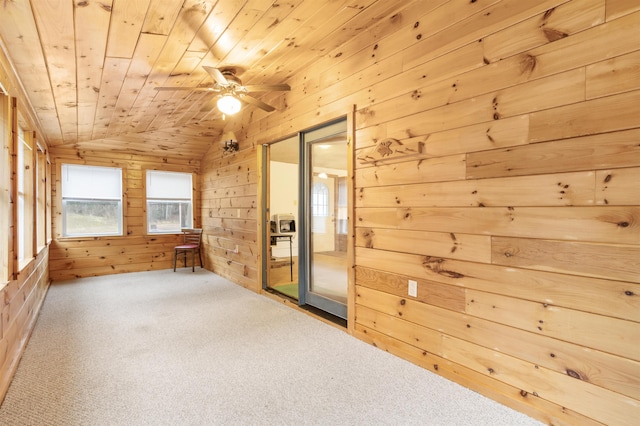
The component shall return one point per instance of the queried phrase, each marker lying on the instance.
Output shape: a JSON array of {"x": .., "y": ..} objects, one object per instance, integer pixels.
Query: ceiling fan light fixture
[{"x": 228, "y": 104}]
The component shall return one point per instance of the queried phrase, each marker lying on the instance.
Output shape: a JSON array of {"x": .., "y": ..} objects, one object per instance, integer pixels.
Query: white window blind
[
  {"x": 91, "y": 182},
  {"x": 169, "y": 201},
  {"x": 169, "y": 185},
  {"x": 91, "y": 200}
]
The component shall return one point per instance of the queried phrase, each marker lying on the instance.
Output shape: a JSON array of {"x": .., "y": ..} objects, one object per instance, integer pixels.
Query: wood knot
[
  {"x": 524, "y": 393},
  {"x": 553, "y": 35},
  {"x": 528, "y": 63},
  {"x": 629, "y": 293},
  {"x": 403, "y": 302},
  {"x": 574, "y": 374},
  {"x": 548, "y": 13}
]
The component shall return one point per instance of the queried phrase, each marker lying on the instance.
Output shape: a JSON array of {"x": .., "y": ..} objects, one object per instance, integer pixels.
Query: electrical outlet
[{"x": 413, "y": 288}]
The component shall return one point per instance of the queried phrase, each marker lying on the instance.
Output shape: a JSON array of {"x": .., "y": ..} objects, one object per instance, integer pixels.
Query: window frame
[
  {"x": 320, "y": 199},
  {"x": 147, "y": 199},
  {"x": 62, "y": 209},
  {"x": 320, "y": 206},
  {"x": 41, "y": 197},
  {"x": 6, "y": 165},
  {"x": 25, "y": 196}
]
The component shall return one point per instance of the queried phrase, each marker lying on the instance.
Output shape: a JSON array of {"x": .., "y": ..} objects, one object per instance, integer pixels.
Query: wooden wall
[
  {"x": 21, "y": 291},
  {"x": 519, "y": 219},
  {"x": 135, "y": 251},
  {"x": 229, "y": 188},
  {"x": 20, "y": 300}
]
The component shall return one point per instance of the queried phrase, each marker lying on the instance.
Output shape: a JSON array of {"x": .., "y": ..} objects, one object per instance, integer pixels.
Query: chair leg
[
  {"x": 200, "y": 258},
  {"x": 193, "y": 261},
  {"x": 175, "y": 257}
]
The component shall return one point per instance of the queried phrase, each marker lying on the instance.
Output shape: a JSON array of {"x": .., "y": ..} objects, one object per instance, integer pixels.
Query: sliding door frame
[{"x": 302, "y": 226}]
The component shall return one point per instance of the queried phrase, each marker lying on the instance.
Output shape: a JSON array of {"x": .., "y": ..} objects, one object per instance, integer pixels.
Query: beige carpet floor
[{"x": 183, "y": 348}]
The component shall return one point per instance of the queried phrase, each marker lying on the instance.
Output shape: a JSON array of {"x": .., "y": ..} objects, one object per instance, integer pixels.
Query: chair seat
[{"x": 186, "y": 246}]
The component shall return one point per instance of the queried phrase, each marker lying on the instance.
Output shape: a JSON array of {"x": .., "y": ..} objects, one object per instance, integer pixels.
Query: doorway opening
[
  {"x": 282, "y": 192},
  {"x": 307, "y": 209}
]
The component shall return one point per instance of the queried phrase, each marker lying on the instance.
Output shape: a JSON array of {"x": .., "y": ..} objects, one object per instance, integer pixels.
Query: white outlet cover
[{"x": 413, "y": 288}]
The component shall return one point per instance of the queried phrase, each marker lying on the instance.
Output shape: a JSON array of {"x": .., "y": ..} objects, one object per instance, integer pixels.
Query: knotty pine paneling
[
  {"x": 554, "y": 24},
  {"x": 615, "y": 75},
  {"x": 620, "y": 262},
  {"x": 437, "y": 294},
  {"x": 602, "y": 115},
  {"x": 458, "y": 329},
  {"x": 617, "y": 8},
  {"x": 441, "y": 169},
  {"x": 520, "y": 218},
  {"x": 496, "y": 389},
  {"x": 21, "y": 298},
  {"x": 229, "y": 185},
  {"x": 22, "y": 292},
  {"x": 135, "y": 251},
  {"x": 568, "y": 189},
  {"x": 554, "y": 354},
  {"x": 606, "y": 150},
  {"x": 475, "y": 248},
  {"x": 612, "y": 186}
]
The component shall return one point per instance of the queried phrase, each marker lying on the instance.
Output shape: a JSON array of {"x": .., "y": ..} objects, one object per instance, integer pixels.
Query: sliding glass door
[
  {"x": 324, "y": 191},
  {"x": 305, "y": 217}
]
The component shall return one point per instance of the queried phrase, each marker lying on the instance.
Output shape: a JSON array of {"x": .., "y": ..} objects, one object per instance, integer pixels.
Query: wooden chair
[{"x": 192, "y": 239}]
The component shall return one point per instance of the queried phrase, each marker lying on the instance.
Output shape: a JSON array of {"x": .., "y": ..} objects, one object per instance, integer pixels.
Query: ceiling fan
[{"x": 231, "y": 91}]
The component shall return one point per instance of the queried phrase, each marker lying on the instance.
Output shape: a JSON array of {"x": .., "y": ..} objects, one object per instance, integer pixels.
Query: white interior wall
[{"x": 283, "y": 190}]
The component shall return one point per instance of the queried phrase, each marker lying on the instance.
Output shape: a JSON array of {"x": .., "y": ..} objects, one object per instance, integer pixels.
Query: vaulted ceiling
[{"x": 90, "y": 68}]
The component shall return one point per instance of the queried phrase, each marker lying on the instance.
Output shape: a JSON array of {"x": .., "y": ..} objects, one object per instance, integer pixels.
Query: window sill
[{"x": 90, "y": 238}]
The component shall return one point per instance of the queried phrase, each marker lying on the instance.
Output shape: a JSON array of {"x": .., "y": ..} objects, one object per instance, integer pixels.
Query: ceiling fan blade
[
  {"x": 253, "y": 101},
  {"x": 217, "y": 75},
  {"x": 193, "y": 89},
  {"x": 266, "y": 87}
]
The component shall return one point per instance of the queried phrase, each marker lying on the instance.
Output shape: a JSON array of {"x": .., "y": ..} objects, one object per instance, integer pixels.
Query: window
[
  {"x": 41, "y": 198},
  {"x": 319, "y": 207},
  {"x": 5, "y": 168},
  {"x": 91, "y": 200},
  {"x": 25, "y": 196},
  {"x": 320, "y": 200},
  {"x": 169, "y": 202}
]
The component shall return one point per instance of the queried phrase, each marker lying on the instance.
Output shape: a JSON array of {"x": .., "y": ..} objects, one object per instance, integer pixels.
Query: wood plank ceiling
[{"x": 90, "y": 67}]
